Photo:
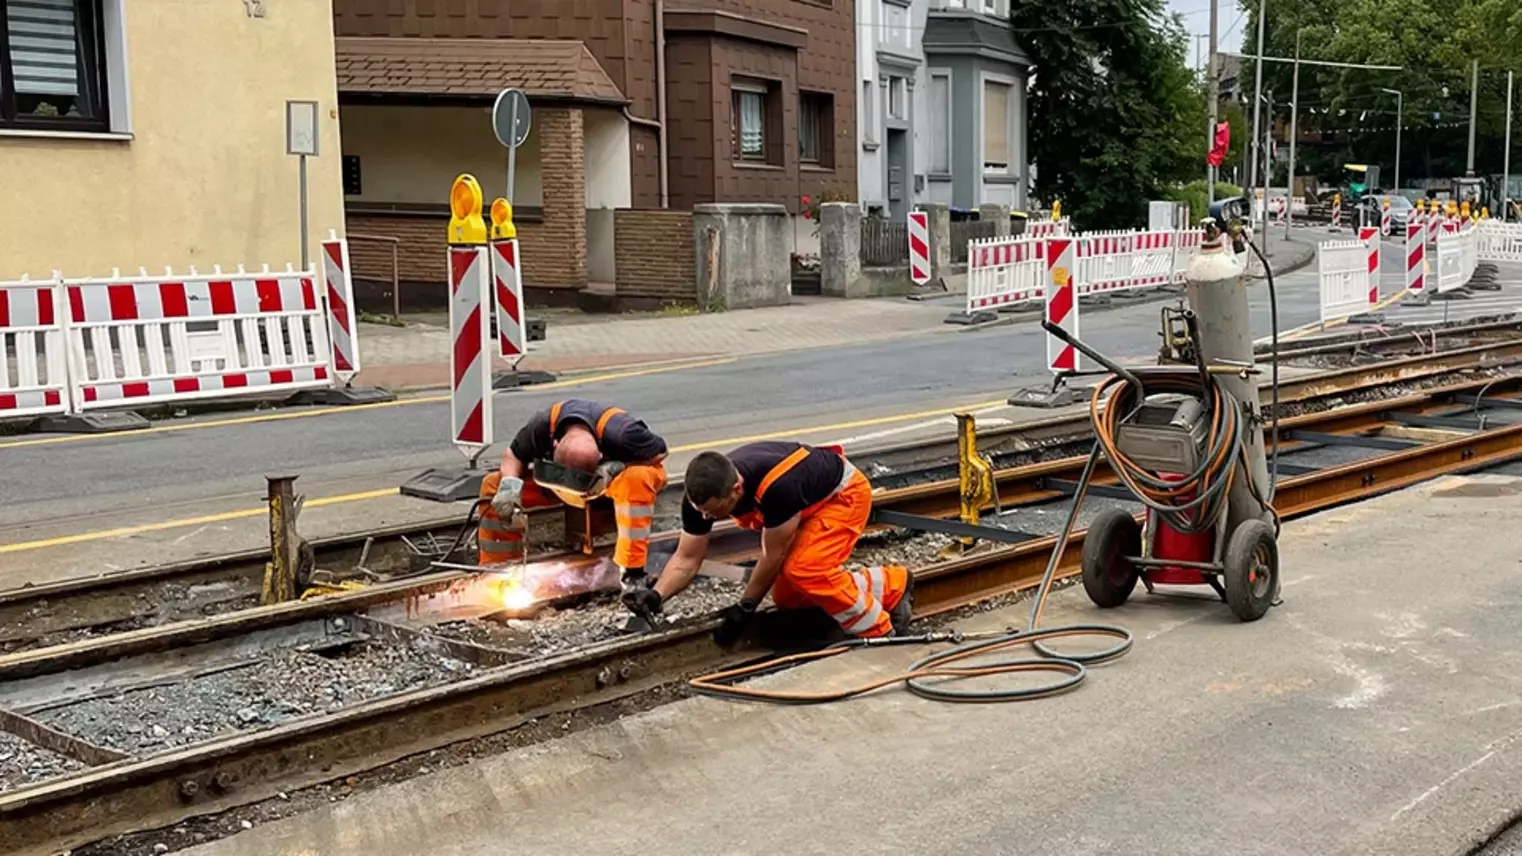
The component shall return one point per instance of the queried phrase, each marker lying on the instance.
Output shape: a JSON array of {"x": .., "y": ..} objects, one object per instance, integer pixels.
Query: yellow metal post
[
  {"x": 975, "y": 477},
  {"x": 280, "y": 574}
]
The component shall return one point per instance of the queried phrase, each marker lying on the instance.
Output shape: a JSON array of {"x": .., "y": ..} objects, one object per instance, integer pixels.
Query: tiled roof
[{"x": 542, "y": 68}]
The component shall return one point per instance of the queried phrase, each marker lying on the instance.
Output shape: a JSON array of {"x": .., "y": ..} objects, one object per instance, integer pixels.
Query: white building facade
[{"x": 941, "y": 109}]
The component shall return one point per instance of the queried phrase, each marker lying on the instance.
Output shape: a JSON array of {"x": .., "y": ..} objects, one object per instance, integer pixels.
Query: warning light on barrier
[
  {"x": 1056, "y": 210},
  {"x": 1420, "y": 205},
  {"x": 502, "y": 227},
  {"x": 465, "y": 223},
  {"x": 1485, "y": 212}
]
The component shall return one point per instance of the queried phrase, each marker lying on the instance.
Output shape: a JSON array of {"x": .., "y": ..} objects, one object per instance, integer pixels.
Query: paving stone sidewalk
[{"x": 417, "y": 355}]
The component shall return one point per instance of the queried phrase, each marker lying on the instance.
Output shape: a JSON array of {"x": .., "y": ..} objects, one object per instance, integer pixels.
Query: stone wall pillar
[
  {"x": 940, "y": 240},
  {"x": 840, "y": 249},
  {"x": 740, "y": 256},
  {"x": 999, "y": 214}
]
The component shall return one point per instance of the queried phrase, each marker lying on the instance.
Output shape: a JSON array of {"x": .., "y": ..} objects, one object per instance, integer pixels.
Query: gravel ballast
[
  {"x": 276, "y": 687},
  {"x": 23, "y": 763}
]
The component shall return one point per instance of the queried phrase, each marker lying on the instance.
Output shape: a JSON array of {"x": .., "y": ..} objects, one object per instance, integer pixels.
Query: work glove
[
  {"x": 509, "y": 498},
  {"x": 603, "y": 476},
  {"x": 736, "y": 619}
]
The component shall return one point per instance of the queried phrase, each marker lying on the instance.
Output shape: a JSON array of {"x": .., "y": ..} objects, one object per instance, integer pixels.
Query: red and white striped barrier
[
  {"x": 507, "y": 277},
  {"x": 1384, "y": 217},
  {"x": 919, "y": 247},
  {"x": 150, "y": 340},
  {"x": 1337, "y": 213},
  {"x": 1062, "y": 302},
  {"x": 1369, "y": 236},
  {"x": 342, "y": 323},
  {"x": 1047, "y": 228},
  {"x": 1416, "y": 256},
  {"x": 1186, "y": 247},
  {"x": 33, "y": 357},
  {"x": 1123, "y": 261},
  {"x": 470, "y": 394},
  {"x": 1005, "y": 271}
]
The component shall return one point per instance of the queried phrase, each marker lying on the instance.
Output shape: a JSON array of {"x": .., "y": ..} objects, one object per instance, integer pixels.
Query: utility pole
[
  {"x": 1294, "y": 112},
  {"x": 1268, "y": 163},
  {"x": 1400, "y": 120},
  {"x": 1213, "y": 101},
  {"x": 1257, "y": 95},
  {"x": 1474, "y": 104},
  {"x": 1505, "y": 195}
]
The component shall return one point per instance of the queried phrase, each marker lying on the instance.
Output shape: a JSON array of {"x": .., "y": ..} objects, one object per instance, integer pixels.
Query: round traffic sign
[{"x": 510, "y": 118}]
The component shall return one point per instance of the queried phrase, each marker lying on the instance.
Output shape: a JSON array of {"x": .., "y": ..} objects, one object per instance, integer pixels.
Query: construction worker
[
  {"x": 810, "y": 506},
  {"x": 623, "y": 454}
]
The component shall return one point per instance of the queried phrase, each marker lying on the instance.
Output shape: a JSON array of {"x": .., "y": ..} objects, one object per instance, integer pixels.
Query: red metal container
[{"x": 1169, "y": 543}]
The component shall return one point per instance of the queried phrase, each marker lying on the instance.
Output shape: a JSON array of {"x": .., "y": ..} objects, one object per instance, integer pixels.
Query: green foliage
[
  {"x": 1194, "y": 194},
  {"x": 1434, "y": 44},
  {"x": 1116, "y": 115}
]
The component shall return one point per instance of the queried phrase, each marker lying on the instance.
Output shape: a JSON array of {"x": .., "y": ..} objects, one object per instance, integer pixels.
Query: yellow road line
[
  {"x": 358, "y": 408},
  {"x": 188, "y": 521},
  {"x": 362, "y": 496},
  {"x": 1315, "y": 326}
]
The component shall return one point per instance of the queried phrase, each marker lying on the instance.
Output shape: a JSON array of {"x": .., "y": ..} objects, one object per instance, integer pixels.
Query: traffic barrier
[
  {"x": 1369, "y": 236},
  {"x": 1336, "y": 212},
  {"x": 1456, "y": 260},
  {"x": 1123, "y": 261},
  {"x": 1384, "y": 217},
  {"x": 1047, "y": 228},
  {"x": 507, "y": 280},
  {"x": 342, "y": 324},
  {"x": 1342, "y": 271},
  {"x": 149, "y": 340},
  {"x": 1434, "y": 223},
  {"x": 1186, "y": 245},
  {"x": 1004, "y": 272},
  {"x": 1416, "y": 257},
  {"x": 33, "y": 363},
  {"x": 1498, "y": 241},
  {"x": 470, "y": 393},
  {"x": 919, "y": 247},
  {"x": 1061, "y": 302}
]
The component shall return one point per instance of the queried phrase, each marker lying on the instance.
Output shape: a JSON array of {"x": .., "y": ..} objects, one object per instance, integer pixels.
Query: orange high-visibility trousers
[
  {"x": 498, "y": 542},
  {"x": 814, "y": 573},
  {"x": 633, "y": 493}
]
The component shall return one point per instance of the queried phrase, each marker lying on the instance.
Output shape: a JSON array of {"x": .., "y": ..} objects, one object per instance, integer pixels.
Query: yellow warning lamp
[
  {"x": 1464, "y": 210},
  {"x": 1485, "y": 212},
  {"x": 1421, "y": 205},
  {"x": 465, "y": 223},
  {"x": 502, "y": 227},
  {"x": 1056, "y": 210}
]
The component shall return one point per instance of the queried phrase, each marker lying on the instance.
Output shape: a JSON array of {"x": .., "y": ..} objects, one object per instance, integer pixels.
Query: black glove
[
  {"x": 736, "y": 619},
  {"x": 644, "y": 602}
]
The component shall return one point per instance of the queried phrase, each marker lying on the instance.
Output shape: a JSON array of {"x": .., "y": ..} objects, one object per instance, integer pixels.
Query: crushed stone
[{"x": 23, "y": 763}]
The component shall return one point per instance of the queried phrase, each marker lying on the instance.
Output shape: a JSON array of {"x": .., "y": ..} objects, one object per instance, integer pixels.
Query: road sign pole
[
  {"x": 305, "y": 231},
  {"x": 512, "y": 151}
]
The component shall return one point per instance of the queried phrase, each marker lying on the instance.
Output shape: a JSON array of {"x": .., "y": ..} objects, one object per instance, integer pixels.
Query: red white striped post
[
  {"x": 1061, "y": 303},
  {"x": 1384, "y": 218},
  {"x": 1416, "y": 256},
  {"x": 1370, "y": 237},
  {"x": 470, "y": 392},
  {"x": 507, "y": 284},
  {"x": 919, "y": 247},
  {"x": 1336, "y": 212},
  {"x": 340, "y": 301}
]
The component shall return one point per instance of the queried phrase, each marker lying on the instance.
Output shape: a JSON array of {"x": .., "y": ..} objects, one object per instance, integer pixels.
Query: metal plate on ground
[{"x": 445, "y": 484}]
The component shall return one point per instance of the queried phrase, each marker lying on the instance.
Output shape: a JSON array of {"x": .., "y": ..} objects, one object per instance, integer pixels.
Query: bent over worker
[
  {"x": 622, "y": 452},
  {"x": 810, "y": 505}
]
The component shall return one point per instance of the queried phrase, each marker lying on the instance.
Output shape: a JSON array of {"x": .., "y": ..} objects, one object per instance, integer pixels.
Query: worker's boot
[{"x": 903, "y": 611}]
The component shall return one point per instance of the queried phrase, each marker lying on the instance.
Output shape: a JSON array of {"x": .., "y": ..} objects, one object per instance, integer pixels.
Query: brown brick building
[{"x": 759, "y": 107}]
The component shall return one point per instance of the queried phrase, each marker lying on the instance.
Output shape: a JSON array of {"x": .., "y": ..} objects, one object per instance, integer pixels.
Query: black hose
[{"x": 1273, "y": 320}]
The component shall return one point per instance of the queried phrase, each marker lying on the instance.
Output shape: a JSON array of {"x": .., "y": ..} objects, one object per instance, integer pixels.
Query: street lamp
[{"x": 1399, "y": 121}]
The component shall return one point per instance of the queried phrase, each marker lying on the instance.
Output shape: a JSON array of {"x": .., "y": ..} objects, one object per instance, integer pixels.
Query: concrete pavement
[{"x": 1375, "y": 712}]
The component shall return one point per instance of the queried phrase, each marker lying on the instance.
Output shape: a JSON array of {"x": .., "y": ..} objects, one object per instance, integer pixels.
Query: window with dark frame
[
  {"x": 816, "y": 128},
  {"x": 748, "y": 121},
  {"x": 52, "y": 65}
]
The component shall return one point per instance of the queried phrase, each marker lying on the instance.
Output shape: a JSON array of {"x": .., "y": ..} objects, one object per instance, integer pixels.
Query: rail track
[
  {"x": 60, "y": 612},
  {"x": 1332, "y": 455}
]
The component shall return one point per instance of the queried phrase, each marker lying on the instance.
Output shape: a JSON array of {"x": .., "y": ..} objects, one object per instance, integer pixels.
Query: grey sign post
[
  {"x": 511, "y": 121},
  {"x": 301, "y": 140}
]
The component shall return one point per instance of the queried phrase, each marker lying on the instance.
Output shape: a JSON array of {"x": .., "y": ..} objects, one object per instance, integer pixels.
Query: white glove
[
  {"x": 603, "y": 476},
  {"x": 509, "y": 498}
]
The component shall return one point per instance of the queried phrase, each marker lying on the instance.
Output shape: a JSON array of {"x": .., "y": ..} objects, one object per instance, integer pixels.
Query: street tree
[{"x": 1116, "y": 115}]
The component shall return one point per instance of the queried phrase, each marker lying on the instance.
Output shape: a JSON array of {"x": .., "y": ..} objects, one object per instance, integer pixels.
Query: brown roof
[{"x": 542, "y": 68}]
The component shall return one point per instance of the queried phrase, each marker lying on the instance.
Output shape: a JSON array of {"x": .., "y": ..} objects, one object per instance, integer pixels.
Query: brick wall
[
  {"x": 653, "y": 254},
  {"x": 563, "y": 238}
]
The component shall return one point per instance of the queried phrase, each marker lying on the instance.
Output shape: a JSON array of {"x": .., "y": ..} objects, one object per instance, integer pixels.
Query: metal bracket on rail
[{"x": 975, "y": 481}]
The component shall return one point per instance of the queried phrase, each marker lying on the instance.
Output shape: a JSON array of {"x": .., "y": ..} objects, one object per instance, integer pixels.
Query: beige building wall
[
  {"x": 413, "y": 154},
  {"x": 197, "y": 174}
]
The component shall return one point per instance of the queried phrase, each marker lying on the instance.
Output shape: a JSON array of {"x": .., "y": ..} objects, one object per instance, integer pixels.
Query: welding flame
[{"x": 516, "y": 596}]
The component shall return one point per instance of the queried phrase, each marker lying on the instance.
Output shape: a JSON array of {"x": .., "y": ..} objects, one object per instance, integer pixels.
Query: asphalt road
[{"x": 81, "y": 505}]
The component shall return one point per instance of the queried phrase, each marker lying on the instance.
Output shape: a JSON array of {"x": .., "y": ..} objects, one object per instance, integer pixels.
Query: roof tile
[{"x": 544, "y": 68}]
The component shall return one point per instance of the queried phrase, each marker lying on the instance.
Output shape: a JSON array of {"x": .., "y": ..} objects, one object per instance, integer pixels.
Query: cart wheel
[
  {"x": 1108, "y": 575},
  {"x": 1252, "y": 570}
]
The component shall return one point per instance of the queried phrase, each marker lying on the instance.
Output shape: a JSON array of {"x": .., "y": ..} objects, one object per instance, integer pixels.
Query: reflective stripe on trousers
[
  {"x": 633, "y": 493},
  {"x": 860, "y": 616}
]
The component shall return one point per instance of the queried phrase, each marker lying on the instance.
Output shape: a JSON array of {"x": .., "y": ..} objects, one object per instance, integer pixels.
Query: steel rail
[
  {"x": 242, "y": 768},
  {"x": 30, "y": 612}
]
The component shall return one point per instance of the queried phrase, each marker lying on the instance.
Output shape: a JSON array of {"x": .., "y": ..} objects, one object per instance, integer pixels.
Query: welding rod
[{"x": 1114, "y": 367}]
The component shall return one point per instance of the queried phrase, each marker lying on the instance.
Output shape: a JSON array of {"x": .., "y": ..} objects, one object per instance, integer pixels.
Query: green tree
[{"x": 1116, "y": 115}]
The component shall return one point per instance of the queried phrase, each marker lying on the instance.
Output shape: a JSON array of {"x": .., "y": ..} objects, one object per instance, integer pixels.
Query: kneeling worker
[
  {"x": 623, "y": 453},
  {"x": 810, "y": 506}
]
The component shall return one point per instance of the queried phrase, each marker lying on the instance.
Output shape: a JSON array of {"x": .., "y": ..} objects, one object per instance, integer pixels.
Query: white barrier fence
[
  {"x": 1343, "y": 274},
  {"x": 1457, "y": 257},
  {"x": 68, "y": 346},
  {"x": 1005, "y": 272},
  {"x": 1499, "y": 242}
]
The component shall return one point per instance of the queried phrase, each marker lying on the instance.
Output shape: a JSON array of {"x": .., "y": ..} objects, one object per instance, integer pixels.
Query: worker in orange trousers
[{"x": 810, "y": 506}]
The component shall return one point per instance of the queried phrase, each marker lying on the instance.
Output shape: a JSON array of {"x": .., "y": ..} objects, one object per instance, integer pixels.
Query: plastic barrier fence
[
  {"x": 1343, "y": 274},
  {"x": 33, "y": 378},
  {"x": 1499, "y": 242},
  {"x": 1456, "y": 259}
]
